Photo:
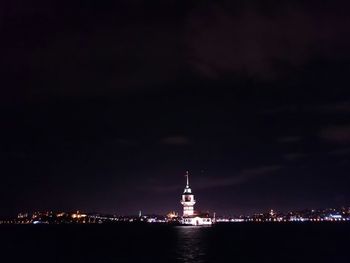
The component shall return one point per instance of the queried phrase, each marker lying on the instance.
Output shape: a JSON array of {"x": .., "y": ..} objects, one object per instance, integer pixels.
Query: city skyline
[
  {"x": 67, "y": 217},
  {"x": 105, "y": 105}
]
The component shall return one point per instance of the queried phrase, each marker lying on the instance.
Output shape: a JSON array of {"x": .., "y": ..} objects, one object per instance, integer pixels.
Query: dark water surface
[{"x": 239, "y": 242}]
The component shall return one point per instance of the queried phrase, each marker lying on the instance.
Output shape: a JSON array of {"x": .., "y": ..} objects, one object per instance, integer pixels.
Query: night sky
[{"x": 106, "y": 104}]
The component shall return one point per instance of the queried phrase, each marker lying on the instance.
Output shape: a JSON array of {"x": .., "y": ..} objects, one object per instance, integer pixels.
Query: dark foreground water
[{"x": 322, "y": 242}]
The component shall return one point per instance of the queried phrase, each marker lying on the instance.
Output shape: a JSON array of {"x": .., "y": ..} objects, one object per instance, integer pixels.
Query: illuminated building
[
  {"x": 78, "y": 215},
  {"x": 22, "y": 215},
  {"x": 189, "y": 216},
  {"x": 172, "y": 215}
]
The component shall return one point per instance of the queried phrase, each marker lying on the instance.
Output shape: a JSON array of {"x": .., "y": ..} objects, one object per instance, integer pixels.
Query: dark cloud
[
  {"x": 246, "y": 40},
  {"x": 109, "y": 49},
  {"x": 336, "y": 134},
  {"x": 339, "y": 107},
  {"x": 241, "y": 177},
  {"x": 295, "y": 156},
  {"x": 92, "y": 51},
  {"x": 289, "y": 139},
  {"x": 244, "y": 176},
  {"x": 125, "y": 142},
  {"x": 176, "y": 140},
  {"x": 341, "y": 151}
]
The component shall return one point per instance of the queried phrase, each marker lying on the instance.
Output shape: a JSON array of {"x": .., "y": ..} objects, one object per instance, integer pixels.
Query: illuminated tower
[{"x": 188, "y": 199}]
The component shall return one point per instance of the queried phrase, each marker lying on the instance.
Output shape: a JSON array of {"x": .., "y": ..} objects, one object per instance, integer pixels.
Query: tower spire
[{"x": 187, "y": 181}]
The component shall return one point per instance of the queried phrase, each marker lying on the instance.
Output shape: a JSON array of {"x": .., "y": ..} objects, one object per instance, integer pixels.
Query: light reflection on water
[{"x": 191, "y": 244}]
